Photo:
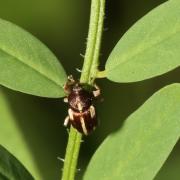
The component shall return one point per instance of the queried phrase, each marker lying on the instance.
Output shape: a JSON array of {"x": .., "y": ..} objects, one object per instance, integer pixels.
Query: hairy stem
[
  {"x": 88, "y": 75},
  {"x": 71, "y": 156},
  {"x": 91, "y": 61}
]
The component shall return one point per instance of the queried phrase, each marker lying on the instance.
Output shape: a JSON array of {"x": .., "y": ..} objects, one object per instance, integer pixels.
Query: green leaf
[
  {"x": 139, "y": 149},
  {"x": 27, "y": 65},
  {"x": 11, "y": 168},
  {"x": 149, "y": 48},
  {"x": 11, "y": 133}
]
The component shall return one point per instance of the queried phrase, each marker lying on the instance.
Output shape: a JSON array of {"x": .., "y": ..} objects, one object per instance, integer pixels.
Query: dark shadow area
[{"x": 41, "y": 122}]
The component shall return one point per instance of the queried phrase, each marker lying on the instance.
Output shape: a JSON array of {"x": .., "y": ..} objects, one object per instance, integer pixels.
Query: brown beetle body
[{"x": 81, "y": 113}]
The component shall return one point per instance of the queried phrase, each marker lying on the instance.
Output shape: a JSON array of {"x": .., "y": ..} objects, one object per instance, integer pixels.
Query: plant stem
[
  {"x": 71, "y": 156},
  {"x": 101, "y": 74},
  {"x": 88, "y": 75},
  {"x": 91, "y": 61}
]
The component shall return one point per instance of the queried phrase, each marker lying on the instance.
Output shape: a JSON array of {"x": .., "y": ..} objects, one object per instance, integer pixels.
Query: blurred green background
[{"x": 31, "y": 127}]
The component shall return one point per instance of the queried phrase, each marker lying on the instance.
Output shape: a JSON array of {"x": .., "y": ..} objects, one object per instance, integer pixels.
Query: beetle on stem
[{"x": 81, "y": 112}]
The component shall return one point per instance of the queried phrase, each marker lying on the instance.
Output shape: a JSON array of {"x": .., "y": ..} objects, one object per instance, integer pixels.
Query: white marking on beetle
[
  {"x": 80, "y": 108},
  {"x": 70, "y": 112},
  {"x": 92, "y": 111},
  {"x": 83, "y": 125}
]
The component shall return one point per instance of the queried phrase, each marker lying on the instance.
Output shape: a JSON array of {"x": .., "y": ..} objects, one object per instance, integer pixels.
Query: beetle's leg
[
  {"x": 97, "y": 91},
  {"x": 71, "y": 79},
  {"x": 66, "y": 121},
  {"x": 68, "y": 84},
  {"x": 65, "y": 100}
]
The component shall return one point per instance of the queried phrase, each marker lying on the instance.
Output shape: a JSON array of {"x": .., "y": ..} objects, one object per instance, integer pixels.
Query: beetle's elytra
[{"x": 81, "y": 112}]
